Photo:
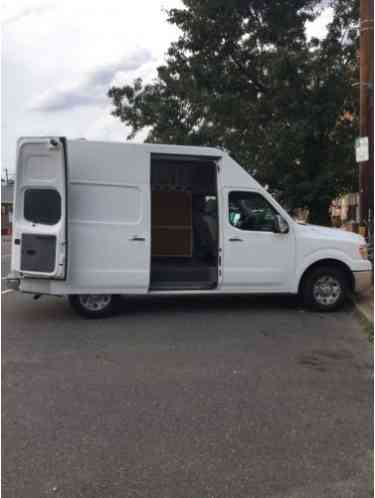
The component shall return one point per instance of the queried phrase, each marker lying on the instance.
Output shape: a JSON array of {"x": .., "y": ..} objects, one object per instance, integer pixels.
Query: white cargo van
[{"x": 97, "y": 220}]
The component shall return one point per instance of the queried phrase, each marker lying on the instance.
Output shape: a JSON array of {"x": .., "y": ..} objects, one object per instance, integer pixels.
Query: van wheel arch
[
  {"x": 331, "y": 263},
  {"x": 94, "y": 305},
  {"x": 335, "y": 263}
]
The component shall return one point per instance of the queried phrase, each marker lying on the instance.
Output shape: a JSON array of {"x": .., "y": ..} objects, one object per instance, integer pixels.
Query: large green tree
[{"x": 243, "y": 76}]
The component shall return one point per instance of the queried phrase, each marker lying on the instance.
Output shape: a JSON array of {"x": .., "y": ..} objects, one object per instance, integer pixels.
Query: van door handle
[
  {"x": 139, "y": 239},
  {"x": 235, "y": 239}
]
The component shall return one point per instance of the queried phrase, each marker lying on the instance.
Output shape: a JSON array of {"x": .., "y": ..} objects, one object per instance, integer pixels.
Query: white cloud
[
  {"x": 60, "y": 58},
  {"x": 15, "y": 11},
  {"x": 92, "y": 89}
]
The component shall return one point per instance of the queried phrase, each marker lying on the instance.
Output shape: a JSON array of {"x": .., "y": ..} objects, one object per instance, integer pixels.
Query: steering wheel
[{"x": 248, "y": 223}]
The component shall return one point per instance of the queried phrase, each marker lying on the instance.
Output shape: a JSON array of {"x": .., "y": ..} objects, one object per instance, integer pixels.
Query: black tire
[
  {"x": 105, "y": 310},
  {"x": 312, "y": 290}
]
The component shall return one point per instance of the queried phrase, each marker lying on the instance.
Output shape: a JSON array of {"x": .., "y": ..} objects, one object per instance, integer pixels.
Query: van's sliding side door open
[{"x": 40, "y": 216}]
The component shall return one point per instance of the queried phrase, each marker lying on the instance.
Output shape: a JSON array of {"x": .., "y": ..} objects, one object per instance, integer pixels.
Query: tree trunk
[{"x": 319, "y": 214}]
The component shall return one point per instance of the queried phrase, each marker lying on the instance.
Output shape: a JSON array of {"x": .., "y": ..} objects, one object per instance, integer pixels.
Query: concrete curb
[{"x": 363, "y": 310}]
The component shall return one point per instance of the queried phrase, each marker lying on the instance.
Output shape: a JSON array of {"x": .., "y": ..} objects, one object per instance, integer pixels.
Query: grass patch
[
  {"x": 370, "y": 332},
  {"x": 368, "y": 329}
]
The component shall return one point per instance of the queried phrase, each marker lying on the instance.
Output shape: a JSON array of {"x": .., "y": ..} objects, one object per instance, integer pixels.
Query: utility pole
[{"x": 366, "y": 120}]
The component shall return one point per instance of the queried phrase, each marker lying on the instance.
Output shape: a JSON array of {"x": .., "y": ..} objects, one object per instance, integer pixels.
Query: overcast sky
[{"x": 60, "y": 58}]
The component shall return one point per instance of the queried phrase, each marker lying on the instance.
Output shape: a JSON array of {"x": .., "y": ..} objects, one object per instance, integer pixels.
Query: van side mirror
[{"x": 280, "y": 225}]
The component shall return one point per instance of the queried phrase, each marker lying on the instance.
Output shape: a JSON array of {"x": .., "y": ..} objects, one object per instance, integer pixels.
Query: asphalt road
[{"x": 195, "y": 398}]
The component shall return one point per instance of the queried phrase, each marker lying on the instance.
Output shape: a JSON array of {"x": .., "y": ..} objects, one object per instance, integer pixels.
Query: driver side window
[{"x": 251, "y": 211}]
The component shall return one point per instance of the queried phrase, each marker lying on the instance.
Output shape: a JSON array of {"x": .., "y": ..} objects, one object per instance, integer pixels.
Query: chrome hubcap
[
  {"x": 327, "y": 290},
  {"x": 95, "y": 302}
]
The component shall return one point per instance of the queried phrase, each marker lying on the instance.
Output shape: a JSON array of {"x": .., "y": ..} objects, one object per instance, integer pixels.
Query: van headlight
[{"x": 363, "y": 251}]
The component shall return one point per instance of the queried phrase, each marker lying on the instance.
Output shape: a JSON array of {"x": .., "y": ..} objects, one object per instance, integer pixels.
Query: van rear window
[{"x": 42, "y": 206}]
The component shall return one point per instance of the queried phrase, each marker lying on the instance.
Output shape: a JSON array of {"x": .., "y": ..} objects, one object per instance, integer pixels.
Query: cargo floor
[{"x": 188, "y": 276}]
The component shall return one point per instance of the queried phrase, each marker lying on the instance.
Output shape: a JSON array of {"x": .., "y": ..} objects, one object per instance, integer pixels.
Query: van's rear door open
[{"x": 40, "y": 215}]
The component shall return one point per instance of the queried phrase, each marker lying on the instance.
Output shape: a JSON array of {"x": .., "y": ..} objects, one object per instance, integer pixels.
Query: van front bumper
[{"x": 362, "y": 280}]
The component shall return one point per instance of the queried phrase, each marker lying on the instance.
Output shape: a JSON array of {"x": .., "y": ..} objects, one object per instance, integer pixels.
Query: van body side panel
[{"x": 108, "y": 219}]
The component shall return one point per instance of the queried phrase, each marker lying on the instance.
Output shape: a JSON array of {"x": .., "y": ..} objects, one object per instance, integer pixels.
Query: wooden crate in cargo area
[{"x": 171, "y": 215}]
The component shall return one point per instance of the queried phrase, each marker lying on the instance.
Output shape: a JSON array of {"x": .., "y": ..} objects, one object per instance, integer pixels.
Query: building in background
[
  {"x": 7, "y": 192},
  {"x": 345, "y": 212}
]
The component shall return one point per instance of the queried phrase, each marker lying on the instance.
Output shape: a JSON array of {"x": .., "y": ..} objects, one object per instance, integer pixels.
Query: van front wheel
[
  {"x": 325, "y": 288},
  {"x": 94, "y": 305}
]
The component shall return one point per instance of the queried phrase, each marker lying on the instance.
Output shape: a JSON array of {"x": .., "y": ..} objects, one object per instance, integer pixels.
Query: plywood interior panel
[{"x": 171, "y": 224}]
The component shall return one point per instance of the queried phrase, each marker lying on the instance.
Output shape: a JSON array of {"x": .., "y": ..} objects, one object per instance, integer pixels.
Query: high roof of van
[
  {"x": 163, "y": 148},
  {"x": 151, "y": 147}
]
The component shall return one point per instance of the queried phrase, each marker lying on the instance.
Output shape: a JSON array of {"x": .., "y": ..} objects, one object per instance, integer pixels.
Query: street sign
[{"x": 361, "y": 150}]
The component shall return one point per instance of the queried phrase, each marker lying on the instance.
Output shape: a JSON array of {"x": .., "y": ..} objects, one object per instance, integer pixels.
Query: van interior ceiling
[{"x": 184, "y": 223}]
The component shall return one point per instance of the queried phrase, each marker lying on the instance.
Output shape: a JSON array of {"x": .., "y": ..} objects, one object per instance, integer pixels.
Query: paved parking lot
[{"x": 195, "y": 398}]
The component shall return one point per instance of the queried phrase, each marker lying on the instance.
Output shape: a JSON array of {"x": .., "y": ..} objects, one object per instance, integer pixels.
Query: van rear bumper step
[{"x": 12, "y": 282}]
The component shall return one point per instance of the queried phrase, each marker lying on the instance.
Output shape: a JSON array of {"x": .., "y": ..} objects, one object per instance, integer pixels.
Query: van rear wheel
[
  {"x": 94, "y": 305},
  {"x": 325, "y": 288}
]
